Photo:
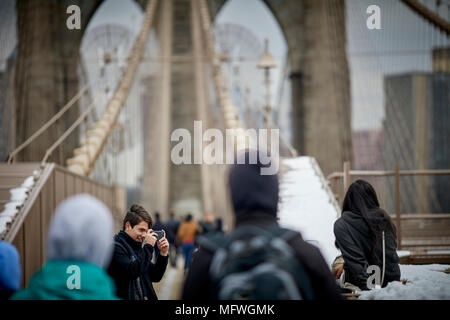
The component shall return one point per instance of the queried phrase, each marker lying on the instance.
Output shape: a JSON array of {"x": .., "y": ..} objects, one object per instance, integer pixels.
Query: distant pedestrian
[
  {"x": 207, "y": 224},
  {"x": 79, "y": 246},
  {"x": 172, "y": 229},
  {"x": 366, "y": 236},
  {"x": 219, "y": 226},
  {"x": 210, "y": 225},
  {"x": 187, "y": 233},
  {"x": 10, "y": 270},
  {"x": 158, "y": 225}
]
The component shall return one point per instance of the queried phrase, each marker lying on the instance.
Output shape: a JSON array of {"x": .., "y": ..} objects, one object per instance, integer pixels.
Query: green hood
[{"x": 51, "y": 283}]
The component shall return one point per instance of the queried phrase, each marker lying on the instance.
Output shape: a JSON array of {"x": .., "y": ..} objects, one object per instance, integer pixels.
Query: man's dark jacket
[
  {"x": 132, "y": 261},
  {"x": 198, "y": 285},
  {"x": 353, "y": 239}
]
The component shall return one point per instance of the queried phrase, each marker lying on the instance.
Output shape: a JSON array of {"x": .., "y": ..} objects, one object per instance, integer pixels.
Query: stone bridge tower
[{"x": 46, "y": 78}]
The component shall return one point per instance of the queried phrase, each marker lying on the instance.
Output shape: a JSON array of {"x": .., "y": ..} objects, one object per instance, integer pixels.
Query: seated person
[{"x": 360, "y": 233}]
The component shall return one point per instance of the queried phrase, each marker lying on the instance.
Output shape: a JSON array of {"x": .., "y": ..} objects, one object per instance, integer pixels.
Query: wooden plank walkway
[{"x": 171, "y": 285}]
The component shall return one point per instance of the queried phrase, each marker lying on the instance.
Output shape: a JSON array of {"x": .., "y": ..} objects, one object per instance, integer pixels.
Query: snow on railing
[
  {"x": 307, "y": 205},
  {"x": 18, "y": 197}
]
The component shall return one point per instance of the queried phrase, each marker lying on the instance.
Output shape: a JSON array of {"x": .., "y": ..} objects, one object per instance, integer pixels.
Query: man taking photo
[{"x": 131, "y": 267}]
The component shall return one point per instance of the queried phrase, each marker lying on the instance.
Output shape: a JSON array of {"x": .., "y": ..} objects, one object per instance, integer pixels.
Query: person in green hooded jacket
[{"x": 79, "y": 247}]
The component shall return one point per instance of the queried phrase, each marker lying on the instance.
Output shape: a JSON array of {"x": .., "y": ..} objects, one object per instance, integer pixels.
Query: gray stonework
[
  {"x": 46, "y": 72},
  {"x": 321, "y": 114}
]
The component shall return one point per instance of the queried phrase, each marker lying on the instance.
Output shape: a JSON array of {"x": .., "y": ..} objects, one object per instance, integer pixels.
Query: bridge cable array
[{"x": 86, "y": 155}]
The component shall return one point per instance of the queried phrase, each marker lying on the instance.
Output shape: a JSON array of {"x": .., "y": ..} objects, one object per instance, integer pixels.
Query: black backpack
[{"x": 256, "y": 264}]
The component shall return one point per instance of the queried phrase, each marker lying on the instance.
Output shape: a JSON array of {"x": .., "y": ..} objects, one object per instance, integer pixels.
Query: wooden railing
[
  {"x": 28, "y": 230},
  {"x": 400, "y": 219}
]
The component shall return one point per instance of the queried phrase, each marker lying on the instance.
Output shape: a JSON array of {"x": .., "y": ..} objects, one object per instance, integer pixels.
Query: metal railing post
[
  {"x": 346, "y": 175},
  {"x": 397, "y": 207}
]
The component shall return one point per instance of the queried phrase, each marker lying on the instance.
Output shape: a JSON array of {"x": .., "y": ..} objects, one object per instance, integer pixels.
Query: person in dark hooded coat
[
  {"x": 359, "y": 236},
  {"x": 255, "y": 201}
]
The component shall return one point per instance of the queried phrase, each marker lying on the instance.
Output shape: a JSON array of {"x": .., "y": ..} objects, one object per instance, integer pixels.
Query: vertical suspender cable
[{"x": 81, "y": 163}]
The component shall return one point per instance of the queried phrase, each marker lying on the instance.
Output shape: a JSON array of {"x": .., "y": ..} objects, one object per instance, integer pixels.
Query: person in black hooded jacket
[
  {"x": 255, "y": 201},
  {"x": 358, "y": 235}
]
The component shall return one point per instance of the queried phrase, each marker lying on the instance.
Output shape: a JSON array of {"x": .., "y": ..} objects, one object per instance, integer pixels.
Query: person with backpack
[
  {"x": 366, "y": 237},
  {"x": 207, "y": 224},
  {"x": 259, "y": 259},
  {"x": 131, "y": 267}
]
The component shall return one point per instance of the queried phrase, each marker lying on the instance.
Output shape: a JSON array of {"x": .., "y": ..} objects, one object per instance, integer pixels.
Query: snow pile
[
  {"x": 17, "y": 199},
  {"x": 403, "y": 253},
  {"x": 306, "y": 205},
  {"x": 423, "y": 282}
]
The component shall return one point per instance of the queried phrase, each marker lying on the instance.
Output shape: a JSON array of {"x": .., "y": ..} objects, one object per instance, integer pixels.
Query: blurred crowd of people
[{"x": 256, "y": 260}]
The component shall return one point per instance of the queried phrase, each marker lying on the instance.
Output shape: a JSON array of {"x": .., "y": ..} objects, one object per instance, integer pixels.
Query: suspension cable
[
  {"x": 429, "y": 15},
  {"x": 227, "y": 105},
  {"x": 48, "y": 123},
  {"x": 85, "y": 156},
  {"x": 67, "y": 132}
]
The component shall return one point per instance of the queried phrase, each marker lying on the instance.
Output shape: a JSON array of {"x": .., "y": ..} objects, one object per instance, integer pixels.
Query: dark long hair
[{"x": 362, "y": 199}]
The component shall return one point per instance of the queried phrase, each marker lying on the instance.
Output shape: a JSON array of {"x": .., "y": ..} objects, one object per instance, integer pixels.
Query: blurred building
[
  {"x": 368, "y": 155},
  {"x": 417, "y": 128},
  {"x": 7, "y": 107},
  {"x": 441, "y": 59},
  {"x": 368, "y": 149}
]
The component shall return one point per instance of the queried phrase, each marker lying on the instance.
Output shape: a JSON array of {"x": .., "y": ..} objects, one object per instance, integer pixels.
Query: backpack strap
[
  {"x": 303, "y": 278},
  {"x": 215, "y": 241},
  {"x": 283, "y": 233},
  {"x": 384, "y": 259},
  {"x": 212, "y": 242},
  {"x": 272, "y": 232}
]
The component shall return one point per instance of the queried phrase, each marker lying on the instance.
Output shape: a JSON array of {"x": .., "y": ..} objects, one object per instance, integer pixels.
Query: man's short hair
[{"x": 135, "y": 215}]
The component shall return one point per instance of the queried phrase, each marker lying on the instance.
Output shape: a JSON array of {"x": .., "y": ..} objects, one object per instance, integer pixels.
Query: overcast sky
[{"x": 402, "y": 45}]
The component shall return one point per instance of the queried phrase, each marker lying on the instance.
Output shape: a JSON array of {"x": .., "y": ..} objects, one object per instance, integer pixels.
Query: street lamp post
[{"x": 267, "y": 62}]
